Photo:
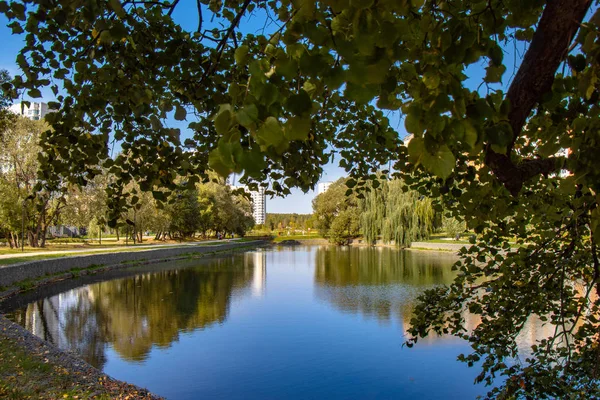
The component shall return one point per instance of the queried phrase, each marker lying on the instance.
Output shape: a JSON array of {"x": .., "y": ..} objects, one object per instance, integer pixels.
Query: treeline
[
  {"x": 206, "y": 209},
  {"x": 391, "y": 212},
  {"x": 292, "y": 221}
]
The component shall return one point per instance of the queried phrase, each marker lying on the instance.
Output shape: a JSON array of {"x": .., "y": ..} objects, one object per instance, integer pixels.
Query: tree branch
[
  {"x": 221, "y": 45},
  {"x": 549, "y": 47},
  {"x": 200, "y": 19}
]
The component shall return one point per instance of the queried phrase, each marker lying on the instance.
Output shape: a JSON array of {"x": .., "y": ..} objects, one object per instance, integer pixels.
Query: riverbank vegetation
[
  {"x": 390, "y": 212},
  {"x": 208, "y": 208}
]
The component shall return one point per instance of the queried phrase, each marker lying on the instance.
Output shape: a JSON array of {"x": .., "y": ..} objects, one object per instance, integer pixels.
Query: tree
[
  {"x": 184, "y": 212},
  {"x": 452, "y": 227},
  {"x": 301, "y": 220},
  {"x": 83, "y": 204},
  {"x": 278, "y": 105},
  {"x": 19, "y": 168},
  {"x": 336, "y": 214},
  {"x": 6, "y": 117}
]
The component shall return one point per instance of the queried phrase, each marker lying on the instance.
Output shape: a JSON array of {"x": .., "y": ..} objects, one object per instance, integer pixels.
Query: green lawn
[{"x": 281, "y": 238}]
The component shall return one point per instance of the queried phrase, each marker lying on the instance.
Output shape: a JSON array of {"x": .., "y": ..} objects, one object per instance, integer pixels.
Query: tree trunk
[
  {"x": 32, "y": 238},
  {"x": 550, "y": 44},
  {"x": 117, "y": 232}
]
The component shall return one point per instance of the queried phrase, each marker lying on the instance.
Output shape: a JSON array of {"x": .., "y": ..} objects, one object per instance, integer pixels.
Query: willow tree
[
  {"x": 373, "y": 213},
  {"x": 409, "y": 215},
  {"x": 276, "y": 104},
  {"x": 396, "y": 213}
]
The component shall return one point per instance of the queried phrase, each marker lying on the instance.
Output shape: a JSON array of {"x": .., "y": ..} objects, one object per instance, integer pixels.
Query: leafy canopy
[{"x": 275, "y": 105}]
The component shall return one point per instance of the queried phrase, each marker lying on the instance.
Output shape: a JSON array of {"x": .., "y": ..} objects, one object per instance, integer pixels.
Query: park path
[{"x": 108, "y": 249}]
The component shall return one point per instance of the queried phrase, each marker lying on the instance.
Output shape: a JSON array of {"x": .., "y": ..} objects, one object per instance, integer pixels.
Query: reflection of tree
[
  {"x": 385, "y": 282},
  {"x": 358, "y": 279},
  {"x": 136, "y": 313},
  {"x": 69, "y": 321},
  {"x": 344, "y": 266}
]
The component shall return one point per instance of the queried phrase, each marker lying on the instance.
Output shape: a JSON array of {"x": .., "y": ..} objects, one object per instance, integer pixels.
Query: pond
[{"x": 301, "y": 322}]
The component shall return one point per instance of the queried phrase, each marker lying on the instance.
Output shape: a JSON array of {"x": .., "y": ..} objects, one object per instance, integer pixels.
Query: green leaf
[
  {"x": 412, "y": 123},
  {"x": 271, "y": 133},
  {"x": 494, "y": 73},
  {"x": 470, "y": 137},
  {"x": 247, "y": 116},
  {"x": 117, "y": 7},
  {"x": 299, "y": 104},
  {"x": 215, "y": 162},
  {"x": 223, "y": 119},
  {"x": 253, "y": 162},
  {"x": 297, "y": 128},
  {"x": 499, "y": 134},
  {"x": 34, "y": 93},
  {"x": 241, "y": 54},
  {"x": 416, "y": 148},
  {"x": 180, "y": 113},
  {"x": 431, "y": 80},
  {"x": 441, "y": 163}
]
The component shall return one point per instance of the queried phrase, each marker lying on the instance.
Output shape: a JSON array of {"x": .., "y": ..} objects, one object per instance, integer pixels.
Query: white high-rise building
[
  {"x": 36, "y": 111},
  {"x": 322, "y": 187},
  {"x": 259, "y": 203}
]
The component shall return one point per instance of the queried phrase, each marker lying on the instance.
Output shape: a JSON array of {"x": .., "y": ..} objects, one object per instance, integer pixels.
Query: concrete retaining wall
[{"x": 35, "y": 269}]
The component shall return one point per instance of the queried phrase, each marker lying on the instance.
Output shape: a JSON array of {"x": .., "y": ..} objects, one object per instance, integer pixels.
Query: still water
[{"x": 284, "y": 323}]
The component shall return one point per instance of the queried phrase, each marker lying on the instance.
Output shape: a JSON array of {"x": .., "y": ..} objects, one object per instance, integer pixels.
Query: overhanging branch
[{"x": 550, "y": 44}]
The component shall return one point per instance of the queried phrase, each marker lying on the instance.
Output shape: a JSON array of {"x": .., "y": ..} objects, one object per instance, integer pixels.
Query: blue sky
[{"x": 186, "y": 15}]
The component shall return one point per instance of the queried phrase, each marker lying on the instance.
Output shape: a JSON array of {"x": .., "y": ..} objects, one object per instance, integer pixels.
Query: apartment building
[{"x": 35, "y": 111}]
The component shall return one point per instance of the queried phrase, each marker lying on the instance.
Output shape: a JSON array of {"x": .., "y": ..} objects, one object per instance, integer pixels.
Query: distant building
[
  {"x": 259, "y": 203},
  {"x": 322, "y": 187},
  {"x": 64, "y": 231},
  {"x": 36, "y": 111}
]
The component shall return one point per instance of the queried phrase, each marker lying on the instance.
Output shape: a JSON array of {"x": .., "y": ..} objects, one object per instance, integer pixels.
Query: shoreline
[
  {"x": 74, "y": 374},
  {"x": 68, "y": 375},
  {"x": 415, "y": 246}
]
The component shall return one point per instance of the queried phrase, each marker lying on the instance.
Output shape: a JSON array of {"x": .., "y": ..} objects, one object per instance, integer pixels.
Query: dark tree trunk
[{"x": 550, "y": 44}]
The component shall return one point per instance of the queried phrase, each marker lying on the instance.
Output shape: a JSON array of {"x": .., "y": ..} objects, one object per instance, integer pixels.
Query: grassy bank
[
  {"x": 30, "y": 369},
  {"x": 282, "y": 238},
  {"x": 27, "y": 376}
]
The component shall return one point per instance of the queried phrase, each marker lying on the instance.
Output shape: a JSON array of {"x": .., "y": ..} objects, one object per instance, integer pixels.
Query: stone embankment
[{"x": 11, "y": 274}]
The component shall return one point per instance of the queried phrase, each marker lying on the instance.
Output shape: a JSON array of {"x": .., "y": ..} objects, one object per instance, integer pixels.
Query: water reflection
[
  {"x": 136, "y": 313},
  {"x": 330, "y": 325},
  {"x": 382, "y": 283}
]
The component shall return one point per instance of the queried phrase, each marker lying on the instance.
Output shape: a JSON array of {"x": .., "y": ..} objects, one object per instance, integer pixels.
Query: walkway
[{"x": 115, "y": 249}]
